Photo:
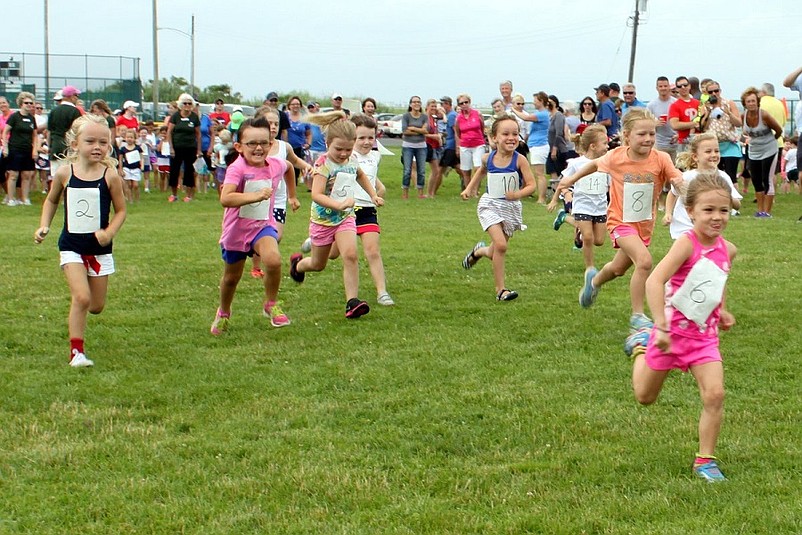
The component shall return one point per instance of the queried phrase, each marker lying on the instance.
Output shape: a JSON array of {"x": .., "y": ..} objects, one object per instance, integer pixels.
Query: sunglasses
[
  {"x": 629, "y": 92},
  {"x": 28, "y": 103},
  {"x": 587, "y": 104},
  {"x": 39, "y": 108},
  {"x": 464, "y": 102},
  {"x": 714, "y": 90},
  {"x": 683, "y": 85}
]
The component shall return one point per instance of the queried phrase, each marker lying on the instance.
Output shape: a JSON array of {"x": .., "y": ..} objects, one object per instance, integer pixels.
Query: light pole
[
  {"x": 155, "y": 89},
  {"x": 191, "y": 36}
]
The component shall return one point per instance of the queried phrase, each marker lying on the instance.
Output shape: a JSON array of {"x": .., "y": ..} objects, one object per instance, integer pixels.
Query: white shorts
[
  {"x": 538, "y": 155},
  {"x": 132, "y": 174},
  {"x": 471, "y": 157},
  {"x": 96, "y": 265}
]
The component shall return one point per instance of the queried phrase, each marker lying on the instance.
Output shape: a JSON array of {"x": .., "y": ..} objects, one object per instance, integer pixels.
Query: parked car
[{"x": 390, "y": 127}]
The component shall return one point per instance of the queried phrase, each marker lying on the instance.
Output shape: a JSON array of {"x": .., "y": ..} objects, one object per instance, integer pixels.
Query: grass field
[{"x": 448, "y": 413}]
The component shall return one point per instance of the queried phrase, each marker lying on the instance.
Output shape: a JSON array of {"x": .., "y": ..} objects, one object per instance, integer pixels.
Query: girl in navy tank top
[
  {"x": 91, "y": 186},
  {"x": 509, "y": 180}
]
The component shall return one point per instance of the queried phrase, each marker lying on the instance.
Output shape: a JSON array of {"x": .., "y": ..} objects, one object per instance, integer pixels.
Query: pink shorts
[
  {"x": 622, "y": 231},
  {"x": 323, "y": 235},
  {"x": 686, "y": 352}
]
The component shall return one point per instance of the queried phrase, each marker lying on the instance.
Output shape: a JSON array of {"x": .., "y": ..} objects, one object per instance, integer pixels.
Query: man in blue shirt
[
  {"x": 607, "y": 115},
  {"x": 630, "y": 99},
  {"x": 450, "y": 158}
]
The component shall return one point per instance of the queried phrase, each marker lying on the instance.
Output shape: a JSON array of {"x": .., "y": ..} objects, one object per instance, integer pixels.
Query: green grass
[{"x": 448, "y": 413}]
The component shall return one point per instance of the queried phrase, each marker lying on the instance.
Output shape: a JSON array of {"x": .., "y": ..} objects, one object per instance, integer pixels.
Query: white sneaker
[
  {"x": 385, "y": 299},
  {"x": 26, "y": 202},
  {"x": 306, "y": 246},
  {"x": 12, "y": 202},
  {"x": 147, "y": 190},
  {"x": 79, "y": 360}
]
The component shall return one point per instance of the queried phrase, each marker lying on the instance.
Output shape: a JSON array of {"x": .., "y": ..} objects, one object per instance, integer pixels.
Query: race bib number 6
[
  {"x": 498, "y": 184},
  {"x": 637, "y": 202},
  {"x": 701, "y": 292}
]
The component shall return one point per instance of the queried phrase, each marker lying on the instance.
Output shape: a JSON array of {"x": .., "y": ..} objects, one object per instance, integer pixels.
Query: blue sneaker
[
  {"x": 638, "y": 322},
  {"x": 560, "y": 219},
  {"x": 710, "y": 472},
  {"x": 587, "y": 295},
  {"x": 636, "y": 340}
]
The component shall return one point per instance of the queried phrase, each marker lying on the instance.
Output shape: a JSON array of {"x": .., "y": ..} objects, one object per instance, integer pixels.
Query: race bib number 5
[
  {"x": 498, "y": 184},
  {"x": 701, "y": 292},
  {"x": 637, "y": 202},
  {"x": 344, "y": 186}
]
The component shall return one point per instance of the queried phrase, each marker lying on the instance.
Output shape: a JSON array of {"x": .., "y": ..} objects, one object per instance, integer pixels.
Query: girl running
[
  {"x": 509, "y": 180},
  {"x": 686, "y": 294},
  {"x": 334, "y": 182},
  {"x": 703, "y": 155},
  {"x": 91, "y": 185},
  {"x": 248, "y": 223},
  {"x": 637, "y": 173},
  {"x": 589, "y": 204}
]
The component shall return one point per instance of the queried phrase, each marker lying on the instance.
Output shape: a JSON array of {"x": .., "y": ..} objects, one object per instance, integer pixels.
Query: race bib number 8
[
  {"x": 637, "y": 202},
  {"x": 83, "y": 210},
  {"x": 701, "y": 292},
  {"x": 593, "y": 184},
  {"x": 256, "y": 210},
  {"x": 344, "y": 186},
  {"x": 498, "y": 184}
]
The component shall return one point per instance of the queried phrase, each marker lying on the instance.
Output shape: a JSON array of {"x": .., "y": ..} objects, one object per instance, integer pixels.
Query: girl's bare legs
[
  {"x": 370, "y": 246},
  {"x": 271, "y": 259},
  {"x": 346, "y": 243},
  {"x": 710, "y": 377},
  {"x": 232, "y": 273},
  {"x": 496, "y": 252},
  {"x": 88, "y": 295},
  {"x": 632, "y": 251},
  {"x": 539, "y": 172}
]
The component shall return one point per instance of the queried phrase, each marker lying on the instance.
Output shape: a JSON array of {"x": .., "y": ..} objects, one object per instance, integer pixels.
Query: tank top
[
  {"x": 87, "y": 204},
  {"x": 762, "y": 144},
  {"x": 506, "y": 173},
  {"x": 280, "y": 195},
  {"x": 694, "y": 293}
]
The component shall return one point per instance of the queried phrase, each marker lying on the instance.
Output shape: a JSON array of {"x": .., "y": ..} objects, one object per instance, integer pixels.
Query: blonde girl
[
  {"x": 589, "y": 204},
  {"x": 332, "y": 213},
  {"x": 637, "y": 175},
  {"x": 509, "y": 180},
  {"x": 686, "y": 294},
  {"x": 703, "y": 155},
  {"x": 91, "y": 186}
]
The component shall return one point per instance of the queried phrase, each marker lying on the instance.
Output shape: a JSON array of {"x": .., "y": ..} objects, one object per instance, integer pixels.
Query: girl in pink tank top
[{"x": 686, "y": 293}]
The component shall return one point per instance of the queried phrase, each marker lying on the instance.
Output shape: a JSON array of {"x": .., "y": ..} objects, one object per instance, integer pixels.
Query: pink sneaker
[
  {"x": 172, "y": 198},
  {"x": 187, "y": 199},
  {"x": 220, "y": 323},
  {"x": 277, "y": 316}
]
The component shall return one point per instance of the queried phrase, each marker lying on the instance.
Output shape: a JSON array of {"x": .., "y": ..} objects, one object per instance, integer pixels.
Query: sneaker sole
[{"x": 360, "y": 310}]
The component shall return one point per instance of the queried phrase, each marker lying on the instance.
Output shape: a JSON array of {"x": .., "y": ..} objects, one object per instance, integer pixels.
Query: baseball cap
[
  {"x": 130, "y": 104},
  {"x": 446, "y": 99},
  {"x": 236, "y": 108},
  {"x": 614, "y": 86},
  {"x": 311, "y": 104},
  {"x": 336, "y": 96},
  {"x": 603, "y": 88},
  {"x": 58, "y": 96},
  {"x": 70, "y": 91},
  {"x": 219, "y": 101},
  {"x": 272, "y": 96}
]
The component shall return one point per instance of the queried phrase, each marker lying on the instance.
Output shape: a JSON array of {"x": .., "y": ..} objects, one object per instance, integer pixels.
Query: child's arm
[
  {"x": 472, "y": 188},
  {"x": 568, "y": 181},
  {"x": 320, "y": 197},
  {"x": 106, "y": 235},
  {"x": 671, "y": 201},
  {"x": 380, "y": 189},
  {"x": 727, "y": 320},
  {"x": 141, "y": 159},
  {"x": 363, "y": 180},
  {"x": 655, "y": 288},
  {"x": 50, "y": 205},
  {"x": 231, "y": 198},
  {"x": 529, "y": 180},
  {"x": 289, "y": 180},
  {"x": 298, "y": 163}
]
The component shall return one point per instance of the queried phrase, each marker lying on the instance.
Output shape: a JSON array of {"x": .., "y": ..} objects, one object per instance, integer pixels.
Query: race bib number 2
[
  {"x": 637, "y": 202},
  {"x": 83, "y": 210}
]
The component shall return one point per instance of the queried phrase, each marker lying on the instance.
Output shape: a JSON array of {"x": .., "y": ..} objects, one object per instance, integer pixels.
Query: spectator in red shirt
[
  {"x": 220, "y": 115},
  {"x": 128, "y": 118},
  {"x": 681, "y": 114}
]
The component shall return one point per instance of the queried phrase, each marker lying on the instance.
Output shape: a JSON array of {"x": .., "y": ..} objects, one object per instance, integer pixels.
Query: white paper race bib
[
  {"x": 132, "y": 157},
  {"x": 256, "y": 210},
  {"x": 701, "y": 292},
  {"x": 165, "y": 148},
  {"x": 370, "y": 169},
  {"x": 637, "y": 202},
  {"x": 83, "y": 210},
  {"x": 498, "y": 184},
  {"x": 344, "y": 186},
  {"x": 593, "y": 184}
]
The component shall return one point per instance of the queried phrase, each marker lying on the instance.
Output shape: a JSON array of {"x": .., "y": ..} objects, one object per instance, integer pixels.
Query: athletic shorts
[
  {"x": 449, "y": 158},
  {"x": 323, "y": 235},
  {"x": 538, "y": 155},
  {"x": 433, "y": 154},
  {"x": 622, "y": 231},
  {"x": 20, "y": 161},
  {"x": 134, "y": 175},
  {"x": 471, "y": 157},
  {"x": 280, "y": 215},
  {"x": 96, "y": 265},
  {"x": 232, "y": 257},
  {"x": 793, "y": 175},
  {"x": 593, "y": 218},
  {"x": 366, "y": 220},
  {"x": 685, "y": 352}
]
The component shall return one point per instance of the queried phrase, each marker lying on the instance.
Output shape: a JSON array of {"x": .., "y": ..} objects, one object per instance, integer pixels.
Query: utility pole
[
  {"x": 635, "y": 22},
  {"x": 192, "y": 62},
  {"x": 155, "y": 85},
  {"x": 47, "y": 100}
]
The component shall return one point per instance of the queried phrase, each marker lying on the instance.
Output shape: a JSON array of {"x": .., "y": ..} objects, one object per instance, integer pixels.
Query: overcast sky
[{"x": 392, "y": 49}]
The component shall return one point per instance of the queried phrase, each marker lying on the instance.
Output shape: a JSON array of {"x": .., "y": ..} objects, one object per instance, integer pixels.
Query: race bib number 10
[{"x": 498, "y": 184}]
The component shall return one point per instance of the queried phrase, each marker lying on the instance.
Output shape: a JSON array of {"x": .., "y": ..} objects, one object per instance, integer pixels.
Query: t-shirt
[
  {"x": 347, "y": 173},
  {"x": 296, "y": 134},
  {"x": 128, "y": 122},
  {"x": 590, "y": 192},
  {"x": 369, "y": 163},
  {"x": 318, "y": 139},
  {"x": 242, "y": 224},
  {"x": 607, "y": 111},
  {"x": 775, "y": 108},
  {"x": 22, "y": 129},
  {"x": 58, "y": 122},
  {"x": 790, "y": 160},
  {"x": 413, "y": 140},
  {"x": 131, "y": 162},
  {"x": 220, "y": 118},
  {"x": 685, "y": 112},
  {"x": 635, "y": 187},
  {"x": 184, "y": 130},
  {"x": 539, "y": 130},
  {"x": 665, "y": 134},
  {"x": 451, "y": 119},
  {"x": 471, "y": 129},
  {"x": 635, "y": 104},
  {"x": 680, "y": 220}
]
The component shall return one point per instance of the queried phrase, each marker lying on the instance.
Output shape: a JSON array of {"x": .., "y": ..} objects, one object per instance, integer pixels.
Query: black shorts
[
  {"x": 366, "y": 220},
  {"x": 793, "y": 175},
  {"x": 433, "y": 154},
  {"x": 449, "y": 159},
  {"x": 280, "y": 215},
  {"x": 594, "y": 218},
  {"x": 20, "y": 161}
]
